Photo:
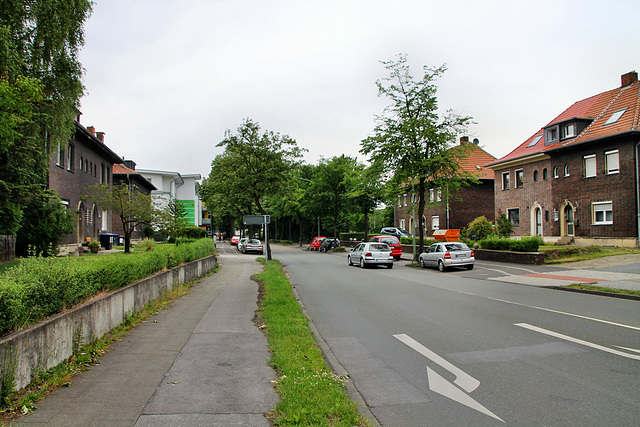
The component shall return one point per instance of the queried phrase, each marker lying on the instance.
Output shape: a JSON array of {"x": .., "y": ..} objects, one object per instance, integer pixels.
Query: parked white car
[
  {"x": 253, "y": 245},
  {"x": 241, "y": 243},
  {"x": 448, "y": 254},
  {"x": 370, "y": 253}
]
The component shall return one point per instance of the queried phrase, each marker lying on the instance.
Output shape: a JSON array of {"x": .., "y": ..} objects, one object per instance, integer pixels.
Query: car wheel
[
  {"x": 349, "y": 260},
  {"x": 470, "y": 267},
  {"x": 362, "y": 264},
  {"x": 390, "y": 265},
  {"x": 422, "y": 264},
  {"x": 441, "y": 266}
]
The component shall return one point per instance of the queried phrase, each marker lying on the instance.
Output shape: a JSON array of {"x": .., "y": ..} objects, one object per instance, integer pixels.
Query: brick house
[
  {"x": 84, "y": 162},
  {"x": 576, "y": 179},
  {"x": 453, "y": 211},
  {"x": 125, "y": 174}
]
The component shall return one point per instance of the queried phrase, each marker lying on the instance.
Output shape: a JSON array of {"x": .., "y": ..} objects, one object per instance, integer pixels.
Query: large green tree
[
  {"x": 254, "y": 166},
  {"x": 40, "y": 88},
  {"x": 412, "y": 139}
]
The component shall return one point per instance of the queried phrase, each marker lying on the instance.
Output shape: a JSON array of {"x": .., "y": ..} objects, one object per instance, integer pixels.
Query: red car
[
  {"x": 315, "y": 244},
  {"x": 234, "y": 240},
  {"x": 393, "y": 242}
]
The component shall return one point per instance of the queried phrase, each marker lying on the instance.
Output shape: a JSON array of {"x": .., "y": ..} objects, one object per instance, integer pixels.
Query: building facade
[
  {"x": 576, "y": 179},
  {"x": 125, "y": 174}
]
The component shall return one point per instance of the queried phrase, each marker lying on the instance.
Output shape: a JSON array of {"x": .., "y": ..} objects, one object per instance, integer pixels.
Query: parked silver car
[
  {"x": 253, "y": 245},
  {"x": 370, "y": 253},
  {"x": 448, "y": 254}
]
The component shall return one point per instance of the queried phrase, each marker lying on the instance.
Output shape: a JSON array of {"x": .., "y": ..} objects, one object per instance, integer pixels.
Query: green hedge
[
  {"x": 526, "y": 244},
  {"x": 41, "y": 287}
]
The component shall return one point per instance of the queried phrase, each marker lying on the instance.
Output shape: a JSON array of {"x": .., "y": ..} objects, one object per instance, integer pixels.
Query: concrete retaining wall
[
  {"x": 49, "y": 343},
  {"x": 536, "y": 258}
]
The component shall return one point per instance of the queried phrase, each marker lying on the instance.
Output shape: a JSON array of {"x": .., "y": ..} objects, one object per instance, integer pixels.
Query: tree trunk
[{"x": 7, "y": 248}]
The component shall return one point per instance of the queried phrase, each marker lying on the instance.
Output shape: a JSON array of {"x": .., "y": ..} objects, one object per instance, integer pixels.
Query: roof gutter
[{"x": 517, "y": 161}]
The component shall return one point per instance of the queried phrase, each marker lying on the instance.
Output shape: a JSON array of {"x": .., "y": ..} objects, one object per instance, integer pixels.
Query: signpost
[{"x": 260, "y": 220}]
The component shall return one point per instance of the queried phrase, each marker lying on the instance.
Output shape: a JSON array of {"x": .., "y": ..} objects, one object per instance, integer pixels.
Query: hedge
[
  {"x": 526, "y": 244},
  {"x": 41, "y": 287}
]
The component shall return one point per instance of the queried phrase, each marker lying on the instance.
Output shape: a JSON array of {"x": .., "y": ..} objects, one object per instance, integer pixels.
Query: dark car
[
  {"x": 328, "y": 244},
  {"x": 395, "y": 231}
]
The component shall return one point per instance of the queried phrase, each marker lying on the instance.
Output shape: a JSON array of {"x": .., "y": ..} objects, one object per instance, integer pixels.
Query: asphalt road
[{"x": 425, "y": 348}]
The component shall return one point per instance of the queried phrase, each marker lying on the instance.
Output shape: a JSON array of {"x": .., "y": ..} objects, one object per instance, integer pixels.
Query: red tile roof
[
  {"x": 476, "y": 159},
  {"x": 118, "y": 168},
  {"x": 597, "y": 108}
]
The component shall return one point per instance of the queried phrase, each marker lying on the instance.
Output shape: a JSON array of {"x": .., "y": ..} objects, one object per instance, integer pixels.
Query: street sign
[{"x": 256, "y": 219}]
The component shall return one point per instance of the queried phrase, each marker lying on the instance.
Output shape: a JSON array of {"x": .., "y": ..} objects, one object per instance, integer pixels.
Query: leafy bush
[
  {"x": 194, "y": 232},
  {"x": 478, "y": 229},
  {"x": 40, "y": 287},
  {"x": 504, "y": 227},
  {"x": 526, "y": 244}
]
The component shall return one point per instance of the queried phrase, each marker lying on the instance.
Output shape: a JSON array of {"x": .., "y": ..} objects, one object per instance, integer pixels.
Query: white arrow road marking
[
  {"x": 464, "y": 380},
  {"x": 448, "y": 390},
  {"x": 443, "y": 387},
  {"x": 579, "y": 341}
]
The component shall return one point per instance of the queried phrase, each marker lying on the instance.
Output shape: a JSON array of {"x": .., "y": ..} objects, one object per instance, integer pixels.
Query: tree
[
  {"x": 173, "y": 218},
  {"x": 411, "y": 140},
  {"x": 365, "y": 190},
  {"x": 131, "y": 206},
  {"x": 40, "y": 88},
  {"x": 46, "y": 222},
  {"x": 254, "y": 166}
]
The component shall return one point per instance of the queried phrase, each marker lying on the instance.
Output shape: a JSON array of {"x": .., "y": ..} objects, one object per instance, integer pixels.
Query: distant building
[
  {"x": 453, "y": 211},
  {"x": 125, "y": 174},
  {"x": 576, "y": 179},
  {"x": 182, "y": 187}
]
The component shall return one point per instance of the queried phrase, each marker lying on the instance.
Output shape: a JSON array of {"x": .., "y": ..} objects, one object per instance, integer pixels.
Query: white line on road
[{"x": 578, "y": 341}]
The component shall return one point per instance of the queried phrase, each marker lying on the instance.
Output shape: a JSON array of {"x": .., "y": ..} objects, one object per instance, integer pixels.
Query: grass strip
[
  {"x": 22, "y": 402},
  {"x": 604, "y": 289},
  {"x": 310, "y": 393}
]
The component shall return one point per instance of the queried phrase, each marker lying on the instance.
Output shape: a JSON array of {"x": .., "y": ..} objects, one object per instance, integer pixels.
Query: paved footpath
[{"x": 201, "y": 362}]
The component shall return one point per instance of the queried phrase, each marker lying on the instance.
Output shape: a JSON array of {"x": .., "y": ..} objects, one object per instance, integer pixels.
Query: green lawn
[{"x": 562, "y": 254}]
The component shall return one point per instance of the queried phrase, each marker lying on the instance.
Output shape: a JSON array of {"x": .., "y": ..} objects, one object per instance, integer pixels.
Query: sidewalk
[{"x": 201, "y": 362}]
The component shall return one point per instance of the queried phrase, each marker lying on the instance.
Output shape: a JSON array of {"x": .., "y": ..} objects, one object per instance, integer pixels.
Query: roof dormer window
[
  {"x": 551, "y": 135},
  {"x": 615, "y": 117},
  {"x": 568, "y": 131}
]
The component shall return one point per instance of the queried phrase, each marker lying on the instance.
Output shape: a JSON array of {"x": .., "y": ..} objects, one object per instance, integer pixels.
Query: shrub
[
  {"x": 39, "y": 287},
  {"x": 194, "y": 232},
  {"x": 504, "y": 227},
  {"x": 526, "y": 244},
  {"x": 478, "y": 229}
]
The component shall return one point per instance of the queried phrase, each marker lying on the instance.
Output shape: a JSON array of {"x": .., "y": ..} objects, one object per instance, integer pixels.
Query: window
[
  {"x": 59, "y": 156},
  {"x": 432, "y": 195},
  {"x": 435, "y": 222},
  {"x": 545, "y": 173},
  {"x": 612, "y": 162},
  {"x": 405, "y": 199},
  {"x": 399, "y": 200},
  {"x": 70, "y": 154},
  {"x": 615, "y": 117},
  {"x": 551, "y": 135},
  {"x": 102, "y": 173},
  {"x": 602, "y": 213},
  {"x": 535, "y": 176},
  {"x": 519, "y": 178},
  {"x": 438, "y": 194},
  {"x": 590, "y": 166},
  {"x": 402, "y": 223},
  {"x": 555, "y": 172},
  {"x": 534, "y": 141},
  {"x": 568, "y": 131},
  {"x": 505, "y": 180},
  {"x": 514, "y": 216},
  {"x": 566, "y": 170}
]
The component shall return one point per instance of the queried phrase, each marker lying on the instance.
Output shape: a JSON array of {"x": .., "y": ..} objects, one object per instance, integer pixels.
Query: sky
[{"x": 165, "y": 79}]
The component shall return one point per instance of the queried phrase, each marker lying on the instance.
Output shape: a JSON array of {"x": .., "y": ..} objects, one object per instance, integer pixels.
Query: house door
[
  {"x": 568, "y": 216},
  {"x": 538, "y": 222}
]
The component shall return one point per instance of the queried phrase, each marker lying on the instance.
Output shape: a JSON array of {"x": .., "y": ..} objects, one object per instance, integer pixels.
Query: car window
[
  {"x": 390, "y": 240},
  {"x": 439, "y": 249},
  {"x": 456, "y": 247},
  {"x": 432, "y": 248},
  {"x": 379, "y": 247}
]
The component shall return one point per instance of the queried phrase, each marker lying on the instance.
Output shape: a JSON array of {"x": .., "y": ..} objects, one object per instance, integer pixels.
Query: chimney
[
  {"x": 629, "y": 78},
  {"x": 464, "y": 140},
  {"x": 92, "y": 130},
  {"x": 130, "y": 164},
  {"x": 100, "y": 136}
]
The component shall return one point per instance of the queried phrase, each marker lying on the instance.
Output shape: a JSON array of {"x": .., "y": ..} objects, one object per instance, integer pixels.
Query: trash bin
[
  {"x": 106, "y": 241},
  {"x": 120, "y": 239}
]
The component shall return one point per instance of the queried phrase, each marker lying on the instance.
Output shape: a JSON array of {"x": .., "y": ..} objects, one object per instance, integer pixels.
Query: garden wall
[
  {"x": 536, "y": 258},
  {"x": 40, "y": 347}
]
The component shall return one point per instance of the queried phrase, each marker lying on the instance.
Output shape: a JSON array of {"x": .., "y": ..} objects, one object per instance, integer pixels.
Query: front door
[
  {"x": 568, "y": 216},
  {"x": 538, "y": 222}
]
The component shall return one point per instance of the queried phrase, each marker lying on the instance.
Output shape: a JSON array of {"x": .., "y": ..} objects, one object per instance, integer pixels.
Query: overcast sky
[{"x": 166, "y": 78}]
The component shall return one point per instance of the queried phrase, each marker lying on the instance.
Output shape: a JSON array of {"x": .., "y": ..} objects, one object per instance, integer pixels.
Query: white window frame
[
  {"x": 606, "y": 208},
  {"x": 615, "y": 117},
  {"x": 590, "y": 172},
  {"x": 609, "y": 157},
  {"x": 519, "y": 173},
  {"x": 555, "y": 172},
  {"x": 402, "y": 223},
  {"x": 435, "y": 222},
  {"x": 432, "y": 195},
  {"x": 509, "y": 212},
  {"x": 566, "y": 170},
  {"x": 506, "y": 181},
  {"x": 568, "y": 131},
  {"x": 438, "y": 194}
]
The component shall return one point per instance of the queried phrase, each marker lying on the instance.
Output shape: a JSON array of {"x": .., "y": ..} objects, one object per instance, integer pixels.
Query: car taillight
[
  {"x": 473, "y": 254},
  {"x": 367, "y": 254},
  {"x": 447, "y": 256}
]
